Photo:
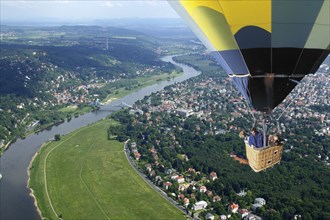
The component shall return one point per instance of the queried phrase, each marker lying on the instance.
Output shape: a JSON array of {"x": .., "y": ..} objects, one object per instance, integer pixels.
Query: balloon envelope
[{"x": 266, "y": 46}]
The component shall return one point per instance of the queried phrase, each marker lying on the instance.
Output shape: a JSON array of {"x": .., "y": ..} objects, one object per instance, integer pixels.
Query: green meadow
[
  {"x": 87, "y": 176},
  {"x": 143, "y": 81}
]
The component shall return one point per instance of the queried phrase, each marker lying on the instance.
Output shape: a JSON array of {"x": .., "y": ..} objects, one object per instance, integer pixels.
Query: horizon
[
  {"x": 83, "y": 11},
  {"x": 111, "y": 22}
]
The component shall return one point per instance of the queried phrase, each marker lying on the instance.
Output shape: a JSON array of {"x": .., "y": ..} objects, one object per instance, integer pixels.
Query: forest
[{"x": 298, "y": 186}]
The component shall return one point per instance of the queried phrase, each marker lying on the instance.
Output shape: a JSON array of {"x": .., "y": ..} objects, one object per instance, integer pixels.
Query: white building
[
  {"x": 209, "y": 216},
  {"x": 200, "y": 205},
  {"x": 180, "y": 179},
  {"x": 260, "y": 201},
  {"x": 256, "y": 206}
]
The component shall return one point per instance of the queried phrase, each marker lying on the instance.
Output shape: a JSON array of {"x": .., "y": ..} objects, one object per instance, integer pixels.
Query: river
[{"x": 15, "y": 201}]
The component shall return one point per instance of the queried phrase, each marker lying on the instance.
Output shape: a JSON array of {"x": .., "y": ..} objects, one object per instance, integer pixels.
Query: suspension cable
[
  {"x": 252, "y": 113},
  {"x": 291, "y": 101}
]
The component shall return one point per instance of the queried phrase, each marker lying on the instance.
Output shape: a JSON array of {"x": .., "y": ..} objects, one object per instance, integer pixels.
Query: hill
[{"x": 47, "y": 69}]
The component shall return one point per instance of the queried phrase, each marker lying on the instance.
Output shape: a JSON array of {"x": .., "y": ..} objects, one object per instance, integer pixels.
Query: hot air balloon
[{"x": 265, "y": 46}]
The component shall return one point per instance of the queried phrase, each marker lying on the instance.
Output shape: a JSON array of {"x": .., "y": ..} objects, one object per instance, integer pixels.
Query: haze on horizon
[{"x": 82, "y": 11}]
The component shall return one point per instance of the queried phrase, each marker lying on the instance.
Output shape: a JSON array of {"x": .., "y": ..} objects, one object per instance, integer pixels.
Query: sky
[{"x": 83, "y": 10}]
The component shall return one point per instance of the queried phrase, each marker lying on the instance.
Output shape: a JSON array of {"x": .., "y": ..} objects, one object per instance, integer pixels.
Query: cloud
[
  {"x": 113, "y": 4},
  {"x": 84, "y": 9},
  {"x": 62, "y": 2},
  {"x": 156, "y": 3}
]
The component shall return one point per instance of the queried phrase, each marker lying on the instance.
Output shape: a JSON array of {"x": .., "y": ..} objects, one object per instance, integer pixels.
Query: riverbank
[
  {"x": 142, "y": 82},
  {"x": 31, "y": 194},
  {"x": 5, "y": 146},
  {"x": 117, "y": 94},
  {"x": 86, "y": 165},
  {"x": 16, "y": 159}
]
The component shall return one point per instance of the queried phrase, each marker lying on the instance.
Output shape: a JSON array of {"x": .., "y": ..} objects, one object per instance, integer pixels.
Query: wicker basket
[{"x": 263, "y": 158}]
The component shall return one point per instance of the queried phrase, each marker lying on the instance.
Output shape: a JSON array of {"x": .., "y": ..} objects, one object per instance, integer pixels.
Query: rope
[
  {"x": 278, "y": 128},
  {"x": 252, "y": 113},
  {"x": 280, "y": 76},
  {"x": 264, "y": 76},
  {"x": 291, "y": 101},
  {"x": 295, "y": 81},
  {"x": 264, "y": 129}
]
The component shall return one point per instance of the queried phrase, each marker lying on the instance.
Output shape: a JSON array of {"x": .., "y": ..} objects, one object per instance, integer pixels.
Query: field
[
  {"x": 143, "y": 82},
  {"x": 87, "y": 176}
]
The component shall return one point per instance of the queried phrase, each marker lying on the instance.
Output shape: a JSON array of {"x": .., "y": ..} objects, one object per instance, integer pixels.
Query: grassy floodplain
[
  {"x": 143, "y": 82},
  {"x": 87, "y": 176}
]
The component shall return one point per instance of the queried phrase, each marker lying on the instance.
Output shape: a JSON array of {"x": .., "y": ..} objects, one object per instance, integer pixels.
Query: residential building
[
  {"x": 216, "y": 199},
  {"x": 213, "y": 176},
  {"x": 180, "y": 179},
  {"x": 243, "y": 212},
  {"x": 234, "y": 207},
  {"x": 167, "y": 185},
  {"x": 200, "y": 205},
  {"x": 260, "y": 201},
  {"x": 202, "y": 189},
  {"x": 186, "y": 202},
  {"x": 252, "y": 217},
  {"x": 209, "y": 216}
]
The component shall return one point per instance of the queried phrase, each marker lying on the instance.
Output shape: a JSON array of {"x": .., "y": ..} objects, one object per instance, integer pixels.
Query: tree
[{"x": 57, "y": 137}]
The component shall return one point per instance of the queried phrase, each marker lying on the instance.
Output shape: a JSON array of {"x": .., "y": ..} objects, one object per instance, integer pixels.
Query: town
[
  {"x": 49, "y": 78},
  {"x": 210, "y": 107}
]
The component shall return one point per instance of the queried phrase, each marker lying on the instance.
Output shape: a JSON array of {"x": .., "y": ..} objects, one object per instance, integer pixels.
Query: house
[
  {"x": 153, "y": 150},
  {"x": 191, "y": 170},
  {"x": 169, "y": 171},
  {"x": 186, "y": 202},
  {"x": 216, "y": 199},
  {"x": 174, "y": 176},
  {"x": 148, "y": 167},
  {"x": 243, "y": 212},
  {"x": 202, "y": 189},
  {"x": 180, "y": 196},
  {"x": 223, "y": 217},
  {"x": 200, "y": 205},
  {"x": 252, "y": 217},
  {"x": 255, "y": 207},
  {"x": 183, "y": 187},
  {"x": 241, "y": 193},
  {"x": 260, "y": 201},
  {"x": 134, "y": 149},
  {"x": 213, "y": 176},
  {"x": 184, "y": 112},
  {"x": 133, "y": 146},
  {"x": 185, "y": 158},
  {"x": 209, "y": 193},
  {"x": 209, "y": 216},
  {"x": 233, "y": 207},
  {"x": 180, "y": 179},
  {"x": 155, "y": 157},
  {"x": 158, "y": 179},
  {"x": 297, "y": 216},
  {"x": 137, "y": 155},
  {"x": 152, "y": 173},
  {"x": 167, "y": 185},
  {"x": 139, "y": 111},
  {"x": 135, "y": 111}
]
